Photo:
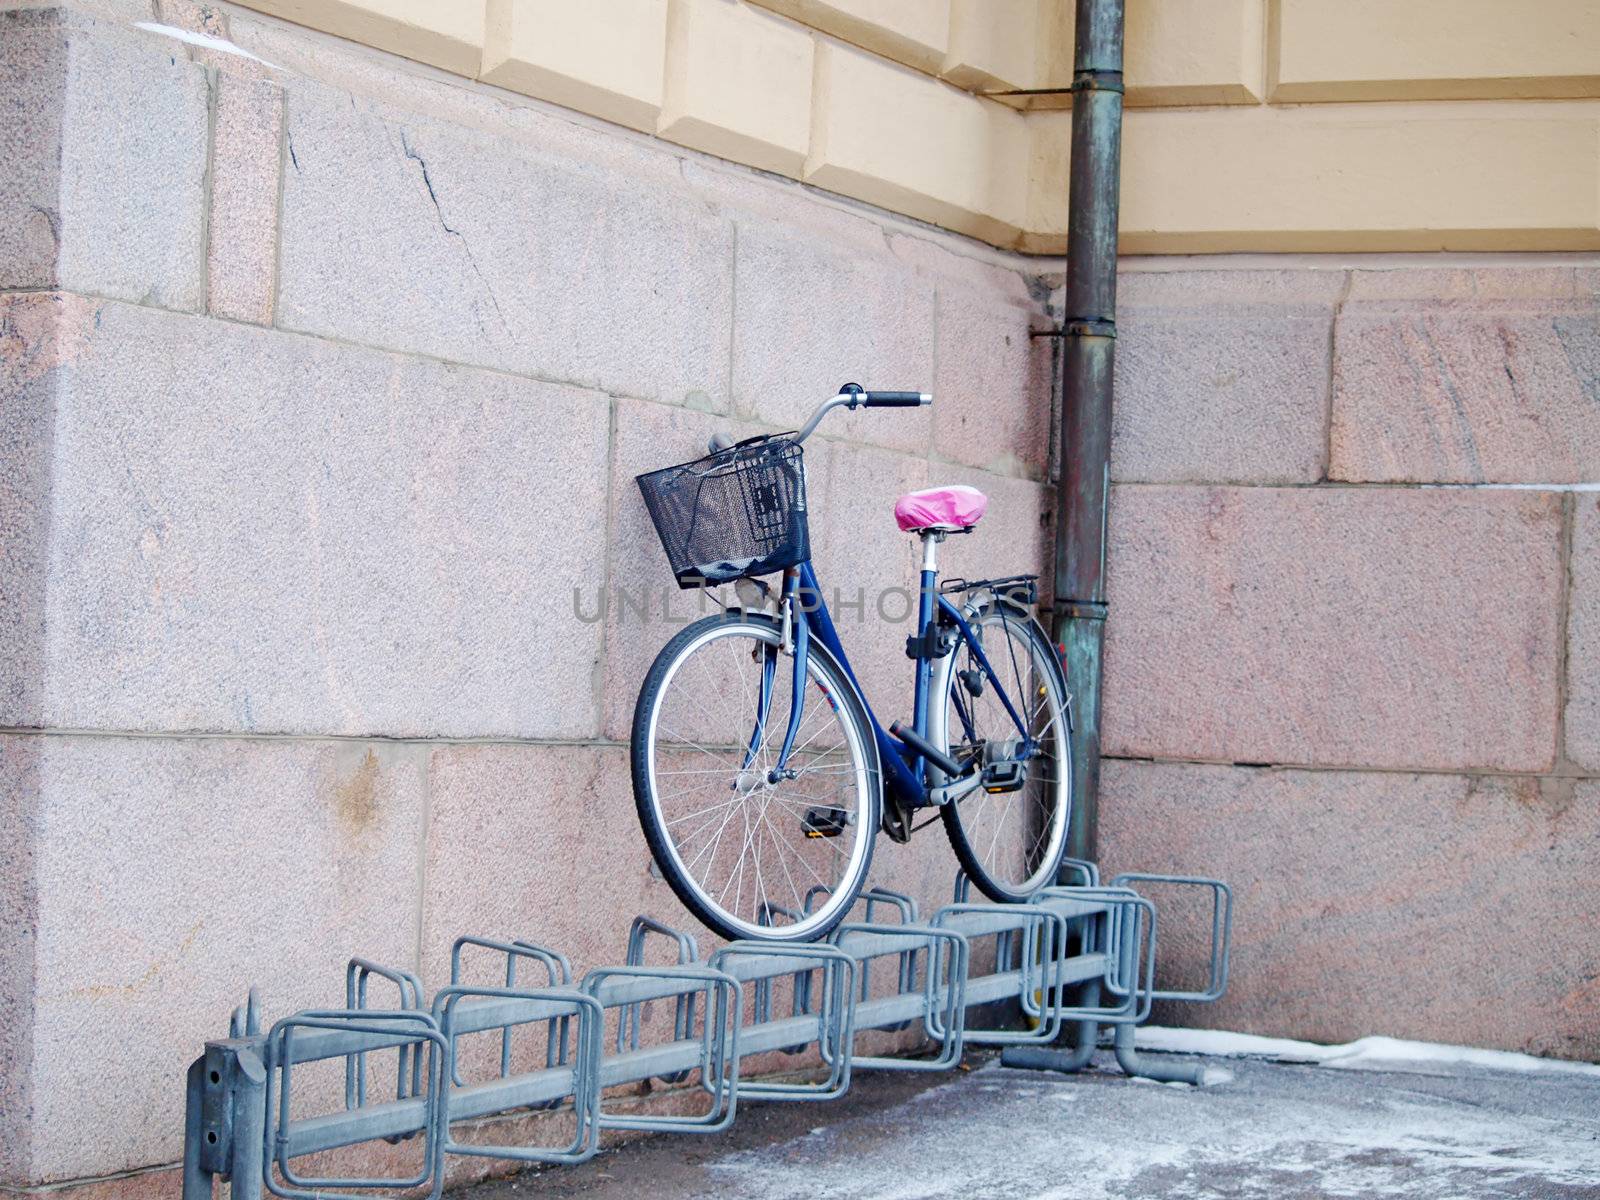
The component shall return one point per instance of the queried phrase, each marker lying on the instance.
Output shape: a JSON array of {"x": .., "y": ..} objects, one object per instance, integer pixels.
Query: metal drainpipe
[{"x": 1089, "y": 332}]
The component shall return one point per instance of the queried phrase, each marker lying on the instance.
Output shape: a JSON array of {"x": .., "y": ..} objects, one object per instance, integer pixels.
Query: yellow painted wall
[{"x": 1252, "y": 124}]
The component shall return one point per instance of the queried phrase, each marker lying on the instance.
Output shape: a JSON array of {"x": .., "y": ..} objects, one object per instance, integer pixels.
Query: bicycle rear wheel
[
  {"x": 743, "y": 846},
  {"x": 1009, "y": 843}
]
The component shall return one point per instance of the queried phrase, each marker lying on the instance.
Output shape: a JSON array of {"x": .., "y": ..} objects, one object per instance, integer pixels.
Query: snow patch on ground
[
  {"x": 1366, "y": 1052},
  {"x": 1454, "y": 1131}
]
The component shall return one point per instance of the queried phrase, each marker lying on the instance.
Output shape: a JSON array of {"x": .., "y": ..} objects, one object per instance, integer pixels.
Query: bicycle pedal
[
  {"x": 824, "y": 822},
  {"x": 1002, "y": 777}
]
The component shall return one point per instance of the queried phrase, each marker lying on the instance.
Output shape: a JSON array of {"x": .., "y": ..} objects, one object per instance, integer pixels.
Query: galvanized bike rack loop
[{"x": 1081, "y": 956}]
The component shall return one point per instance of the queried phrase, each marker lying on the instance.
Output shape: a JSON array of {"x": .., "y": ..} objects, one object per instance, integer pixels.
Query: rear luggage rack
[{"x": 1021, "y": 589}]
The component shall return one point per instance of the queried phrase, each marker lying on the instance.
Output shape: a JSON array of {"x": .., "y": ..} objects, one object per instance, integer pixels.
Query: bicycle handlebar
[{"x": 852, "y": 395}]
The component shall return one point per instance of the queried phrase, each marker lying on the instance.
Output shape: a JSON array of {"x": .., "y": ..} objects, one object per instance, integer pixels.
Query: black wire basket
[{"x": 735, "y": 513}]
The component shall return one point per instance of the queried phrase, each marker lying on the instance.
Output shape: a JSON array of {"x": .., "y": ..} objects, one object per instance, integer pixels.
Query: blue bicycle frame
[{"x": 904, "y": 768}]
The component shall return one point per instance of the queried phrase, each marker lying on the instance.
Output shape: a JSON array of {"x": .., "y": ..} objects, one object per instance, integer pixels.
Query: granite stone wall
[
  {"x": 1354, "y": 576},
  {"x": 323, "y": 380},
  {"x": 322, "y": 388}
]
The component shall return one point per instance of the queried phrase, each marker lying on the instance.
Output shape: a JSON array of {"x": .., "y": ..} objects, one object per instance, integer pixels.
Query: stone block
[
  {"x": 1435, "y": 50},
  {"x": 898, "y": 139},
  {"x": 33, "y": 78},
  {"x": 1195, "y": 52},
  {"x": 915, "y": 34},
  {"x": 951, "y": 262},
  {"x": 337, "y": 541},
  {"x": 1362, "y": 899},
  {"x": 810, "y": 318},
  {"x": 169, "y": 875},
  {"x": 738, "y": 84},
  {"x": 556, "y": 853},
  {"x": 606, "y": 58},
  {"x": 1440, "y": 284},
  {"x": 1358, "y": 628},
  {"x": 442, "y": 35},
  {"x": 1323, "y": 179},
  {"x": 194, "y": 16},
  {"x": 404, "y": 233},
  {"x": 1044, "y": 227},
  {"x": 993, "y": 45},
  {"x": 91, "y": 201},
  {"x": 242, "y": 236},
  {"x": 1487, "y": 376},
  {"x": 1223, "y": 376},
  {"x": 352, "y": 70},
  {"x": 121, "y": 11},
  {"x": 992, "y": 394},
  {"x": 1582, "y": 715},
  {"x": 158, "y": 1184}
]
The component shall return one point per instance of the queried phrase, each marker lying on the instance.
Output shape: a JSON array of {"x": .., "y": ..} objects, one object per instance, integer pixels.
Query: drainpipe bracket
[
  {"x": 1095, "y": 80},
  {"x": 1084, "y": 328},
  {"x": 1090, "y": 327},
  {"x": 1081, "y": 610}
]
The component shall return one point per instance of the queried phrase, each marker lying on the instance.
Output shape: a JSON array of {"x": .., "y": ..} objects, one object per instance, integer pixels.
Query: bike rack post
[
  {"x": 585, "y": 1089},
  {"x": 559, "y": 971},
  {"x": 940, "y": 1003},
  {"x": 906, "y": 909},
  {"x": 223, "y": 1118},
  {"x": 358, "y": 972},
  {"x": 961, "y": 893},
  {"x": 1127, "y": 938},
  {"x": 1131, "y": 963},
  {"x": 718, "y": 1050},
  {"x": 1041, "y": 931},
  {"x": 688, "y": 951},
  {"x": 762, "y": 987},
  {"x": 1088, "y": 871},
  {"x": 392, "y": 1028},
  {"x": 1221, "y": 932},
  {"x": 834, "y": 1019}
]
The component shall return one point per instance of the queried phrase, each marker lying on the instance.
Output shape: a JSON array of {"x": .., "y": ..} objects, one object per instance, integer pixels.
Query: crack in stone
[{"x": 472, "y": 259}]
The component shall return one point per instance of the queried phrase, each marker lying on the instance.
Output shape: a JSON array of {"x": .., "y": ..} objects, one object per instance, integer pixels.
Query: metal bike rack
[{"x": 1078, "y": 955}]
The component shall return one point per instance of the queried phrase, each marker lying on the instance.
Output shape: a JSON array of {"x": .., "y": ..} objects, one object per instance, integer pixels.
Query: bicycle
[{"x": 761, "y": 802}]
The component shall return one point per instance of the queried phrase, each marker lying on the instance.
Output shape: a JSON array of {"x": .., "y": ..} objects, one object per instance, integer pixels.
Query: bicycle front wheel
[
  {"x": 752, "y": 850},
  {"x": 1009, "y": 839}
]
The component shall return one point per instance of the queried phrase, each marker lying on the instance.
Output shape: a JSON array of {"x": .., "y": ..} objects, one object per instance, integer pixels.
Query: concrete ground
[{"x": 1275, "y": 1132}]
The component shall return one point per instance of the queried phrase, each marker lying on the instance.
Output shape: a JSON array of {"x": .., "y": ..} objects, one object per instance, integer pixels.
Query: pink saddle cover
[{"x": 954, "y": 507}]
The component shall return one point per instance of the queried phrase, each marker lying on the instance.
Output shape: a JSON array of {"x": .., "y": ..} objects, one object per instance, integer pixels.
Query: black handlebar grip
[{"x": 892, "y": 399}]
